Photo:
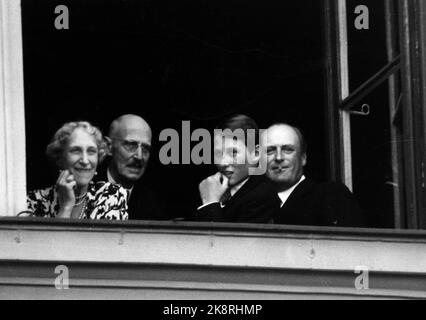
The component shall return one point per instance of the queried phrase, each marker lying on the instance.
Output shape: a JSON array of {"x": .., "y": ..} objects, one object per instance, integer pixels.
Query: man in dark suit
[
  {"x": 304, "y": 202},
  {"x": 237, "y": 192},
  {"x": 129, "y": 147}
]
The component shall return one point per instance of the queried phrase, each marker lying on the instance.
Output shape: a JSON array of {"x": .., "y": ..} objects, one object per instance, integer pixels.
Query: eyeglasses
[{"x": 133, "y": 146}]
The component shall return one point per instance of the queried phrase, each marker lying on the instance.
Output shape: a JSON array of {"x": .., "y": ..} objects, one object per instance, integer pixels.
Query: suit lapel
[
  {"x": 135, "y": 200},
  {"x": 301, "y": 190},
  {"x": 251, "y": 183}
]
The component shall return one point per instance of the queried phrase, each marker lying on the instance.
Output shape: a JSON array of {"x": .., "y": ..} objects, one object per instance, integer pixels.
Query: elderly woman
[{"x": 77, "y": 148}]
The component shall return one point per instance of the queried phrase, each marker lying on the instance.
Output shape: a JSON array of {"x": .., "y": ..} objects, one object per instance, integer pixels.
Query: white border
[{"x": 12, "y": 111}]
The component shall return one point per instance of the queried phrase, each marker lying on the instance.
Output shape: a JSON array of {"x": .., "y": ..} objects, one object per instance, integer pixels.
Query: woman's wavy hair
[{"x": 57, "y": 146}]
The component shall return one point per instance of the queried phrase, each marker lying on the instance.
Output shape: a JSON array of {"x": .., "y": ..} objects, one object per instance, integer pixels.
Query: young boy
[{"x": 237, "y": 193}]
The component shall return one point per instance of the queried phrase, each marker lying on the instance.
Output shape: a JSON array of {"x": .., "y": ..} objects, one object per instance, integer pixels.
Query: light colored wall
[
  {"x": 12, "y": 118},
  {"x": 207, "y": 261}
]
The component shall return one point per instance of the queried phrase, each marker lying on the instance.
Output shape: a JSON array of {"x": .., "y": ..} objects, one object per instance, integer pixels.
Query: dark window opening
[{"x": 170, "y": 61}]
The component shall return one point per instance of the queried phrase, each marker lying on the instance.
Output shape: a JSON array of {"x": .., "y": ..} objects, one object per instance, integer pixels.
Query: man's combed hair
[
  {"x": 241, "y": 122},
  {"x": 57, "y": 146}
]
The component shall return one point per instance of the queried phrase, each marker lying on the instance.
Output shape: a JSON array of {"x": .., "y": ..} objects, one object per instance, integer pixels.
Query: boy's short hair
[{"x": 241, "y": 122}]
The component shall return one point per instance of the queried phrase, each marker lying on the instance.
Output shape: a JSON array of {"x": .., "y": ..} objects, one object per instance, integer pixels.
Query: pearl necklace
[
  {"x": 83, "y": 202},
  {"x": 81, "y": 197},
  {"x": 82, "y": 214},
  {"x": 79, "y": 203}
]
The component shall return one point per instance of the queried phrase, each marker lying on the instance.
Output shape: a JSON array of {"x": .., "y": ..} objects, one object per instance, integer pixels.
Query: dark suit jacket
[
  {"x": 321, "y": 204},
  {"x": 256, "y": 202},
  {"x": 144, "y": 202}
]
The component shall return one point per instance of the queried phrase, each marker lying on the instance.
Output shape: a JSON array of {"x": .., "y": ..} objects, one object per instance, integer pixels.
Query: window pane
[
  {"x": 375, "y": 164},
  {"x": 171, "y": 61}
]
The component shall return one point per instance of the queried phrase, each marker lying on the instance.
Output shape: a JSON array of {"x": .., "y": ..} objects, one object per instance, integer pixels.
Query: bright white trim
[
  {"x": 12, "y": 112},
  {"x": 345, "y": 123},
  {"x": 212, "y": 248},
  {"x": 174, "y": 262}
]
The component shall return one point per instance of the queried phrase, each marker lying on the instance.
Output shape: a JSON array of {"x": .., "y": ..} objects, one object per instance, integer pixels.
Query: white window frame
[
  {"x": 343, "y": 84},
  {"x": 12, "y": 111}
]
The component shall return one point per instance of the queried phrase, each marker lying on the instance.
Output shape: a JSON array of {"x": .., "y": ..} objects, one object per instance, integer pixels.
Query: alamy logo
[
  {"x": 178, "y": 149},
  {"x": 62, "y": 281},
  {"x": 362, "y": 282},
  {"x": 62, "y": 20},
  {"x": 362, "y": 21}
]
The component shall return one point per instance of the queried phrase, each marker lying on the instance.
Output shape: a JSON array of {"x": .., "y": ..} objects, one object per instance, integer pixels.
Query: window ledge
[{"x": 184, "y": 258}]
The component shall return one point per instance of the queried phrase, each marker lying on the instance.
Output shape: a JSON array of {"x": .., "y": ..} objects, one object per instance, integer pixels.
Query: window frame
[
  {"x": 12, "y": 111},
  {"x": 413, "y": 46},
  {"x": 408, "y": 148},
  {"x": 412, "y": 34}
]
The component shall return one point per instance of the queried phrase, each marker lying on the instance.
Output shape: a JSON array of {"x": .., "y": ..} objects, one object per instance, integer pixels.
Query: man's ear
[
  {"x": 109, "y": 145},
  {"x": 304, "y": 159}
]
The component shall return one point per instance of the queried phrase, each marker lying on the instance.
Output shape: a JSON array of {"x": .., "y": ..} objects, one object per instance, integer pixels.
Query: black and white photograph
[{"x": 212, "y": 151}]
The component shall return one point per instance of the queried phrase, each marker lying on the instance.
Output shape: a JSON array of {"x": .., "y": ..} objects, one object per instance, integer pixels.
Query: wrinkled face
[
  {"x": 232, "y": 158},
  {"x": 130, "y": 150},
  {"x": 285, "y": 162},
  {"x": 81, "y": 156}
]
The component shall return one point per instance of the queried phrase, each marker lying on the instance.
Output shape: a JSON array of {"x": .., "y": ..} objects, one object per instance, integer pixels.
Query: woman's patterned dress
[{"x": 104, "y": 201}]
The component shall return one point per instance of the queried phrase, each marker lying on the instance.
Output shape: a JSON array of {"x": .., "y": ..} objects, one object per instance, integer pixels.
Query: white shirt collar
[
  {"x": 237, "y": 187},
  {"x": 286, "y": 193},
  {"x": 232, "y": 191},
  {"x": 110, "y": 178}
]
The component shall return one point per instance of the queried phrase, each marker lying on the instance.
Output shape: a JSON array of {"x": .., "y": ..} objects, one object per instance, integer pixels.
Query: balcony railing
[{"x": 182, "y": 260}]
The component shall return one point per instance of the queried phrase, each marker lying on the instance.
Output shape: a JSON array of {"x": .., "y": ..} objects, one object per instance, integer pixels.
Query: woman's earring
[{"x": 96, "y": 173}]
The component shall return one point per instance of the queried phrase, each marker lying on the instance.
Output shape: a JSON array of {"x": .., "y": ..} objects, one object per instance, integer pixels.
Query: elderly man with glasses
[{"x": 129, "y": 149}]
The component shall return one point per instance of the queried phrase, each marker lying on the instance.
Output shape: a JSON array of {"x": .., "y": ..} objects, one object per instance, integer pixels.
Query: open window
[
  {"x": 303, "y": 62},
  {"x": 172, "y": 61},
  {"x": 374, "y": 101}
]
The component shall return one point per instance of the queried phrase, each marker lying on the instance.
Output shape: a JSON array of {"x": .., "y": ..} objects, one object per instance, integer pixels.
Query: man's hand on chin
[{"x": 212, "y": 188}]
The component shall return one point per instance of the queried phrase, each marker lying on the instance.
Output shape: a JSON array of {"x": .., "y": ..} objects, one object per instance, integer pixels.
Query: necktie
[
  {"x": 225, "y": 197},
  {"x": 129, "y": 192}
]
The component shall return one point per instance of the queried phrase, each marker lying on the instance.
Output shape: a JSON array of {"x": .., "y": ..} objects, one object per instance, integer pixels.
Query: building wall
[{"x": 169, "y": 260}]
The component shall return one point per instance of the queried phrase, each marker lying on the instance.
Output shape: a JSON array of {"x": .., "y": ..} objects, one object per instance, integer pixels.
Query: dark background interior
[
  {"x": 371, "y": 147},
  {"x": 168, "y": 61}
]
